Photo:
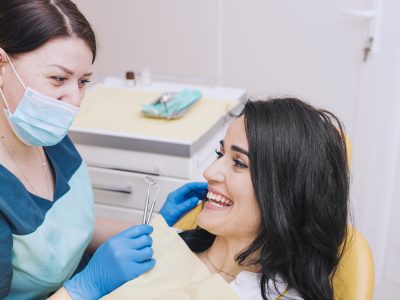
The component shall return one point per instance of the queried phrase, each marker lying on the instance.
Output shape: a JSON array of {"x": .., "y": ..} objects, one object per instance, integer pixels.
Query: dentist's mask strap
[{"x": 39, "y": 120}]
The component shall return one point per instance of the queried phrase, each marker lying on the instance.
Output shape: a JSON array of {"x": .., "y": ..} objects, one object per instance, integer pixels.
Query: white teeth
[
  {"x": 218, "y": 200},
  {"x": 216, "y": 204}
]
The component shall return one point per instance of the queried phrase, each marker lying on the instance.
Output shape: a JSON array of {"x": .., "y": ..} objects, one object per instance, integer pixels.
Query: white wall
[
  {"x": 309, "y": 49},
  {"x": 169, "y": 37}
]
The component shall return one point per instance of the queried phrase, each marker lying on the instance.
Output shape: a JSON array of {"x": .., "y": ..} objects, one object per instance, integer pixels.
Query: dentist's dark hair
[
  {"x": 300, "y": 176},
  {"x": 27, "y": 25}
]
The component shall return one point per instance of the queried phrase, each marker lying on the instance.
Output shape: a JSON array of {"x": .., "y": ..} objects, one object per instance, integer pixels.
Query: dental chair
[{"x": 354, "y": 278}]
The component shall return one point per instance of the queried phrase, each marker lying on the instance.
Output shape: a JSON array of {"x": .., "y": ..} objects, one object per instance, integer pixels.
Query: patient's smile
[
  {"x": 218, "y": 200},
  {"x": 231, "y": 209}
]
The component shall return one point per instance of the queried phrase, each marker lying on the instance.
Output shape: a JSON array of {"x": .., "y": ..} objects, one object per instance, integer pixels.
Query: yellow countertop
[{"x": 118, "y": 111}]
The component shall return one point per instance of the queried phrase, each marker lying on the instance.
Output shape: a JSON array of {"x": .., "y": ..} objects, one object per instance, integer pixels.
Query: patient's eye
[{"x": 238, "y": 163}]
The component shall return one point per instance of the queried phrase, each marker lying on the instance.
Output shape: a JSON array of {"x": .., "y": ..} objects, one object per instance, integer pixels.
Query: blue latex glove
[
  {"x": 119, "y": 259},
  {"x": 182, "y": 200}
]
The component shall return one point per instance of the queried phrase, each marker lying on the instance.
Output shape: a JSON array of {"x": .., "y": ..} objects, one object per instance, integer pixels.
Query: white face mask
[{"x": 39, "y": 120}]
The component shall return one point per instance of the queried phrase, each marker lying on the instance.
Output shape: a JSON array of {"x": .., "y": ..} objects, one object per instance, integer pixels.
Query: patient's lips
[{"x": 217, "y": 200}]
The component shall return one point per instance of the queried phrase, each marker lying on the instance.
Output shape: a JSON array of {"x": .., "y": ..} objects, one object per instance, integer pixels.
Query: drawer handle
[
  {"x": 127, "y": 190},
  {"x": 105, "y": 167}
]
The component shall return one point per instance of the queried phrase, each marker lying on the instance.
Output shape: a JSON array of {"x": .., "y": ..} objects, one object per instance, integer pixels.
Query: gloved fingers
[
  {"x": 199, "y": 185},
  {"x": 142, "y": 255},
  {"x": 188, "y": 204},
  {"x": 137, "y": 231},
  {"x": 140, "y": 242},
  {"x": 197, "y": 189},
  {"x": 145, "y": 266}
]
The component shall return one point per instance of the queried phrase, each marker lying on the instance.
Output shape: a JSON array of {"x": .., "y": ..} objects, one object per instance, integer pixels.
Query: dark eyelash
[
  {"x": 219, "y": 153},
  {"x": 59, "y": 78},
  {"x": 240, "y": 164}
]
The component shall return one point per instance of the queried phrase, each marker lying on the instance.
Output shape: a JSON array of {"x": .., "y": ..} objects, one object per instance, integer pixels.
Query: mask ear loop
[
  {"x": 19, "y": 79},
  {"x": 15, "y": 71},
  {"x": 4, "y": 99}
]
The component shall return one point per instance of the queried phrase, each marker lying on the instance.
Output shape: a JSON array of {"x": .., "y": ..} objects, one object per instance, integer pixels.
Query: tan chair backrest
[{"x": 354, "y": 278}]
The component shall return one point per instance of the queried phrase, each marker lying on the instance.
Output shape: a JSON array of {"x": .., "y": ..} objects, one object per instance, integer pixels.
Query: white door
[
  {"x": 310, "y": 49},
  {"x": 376, "y": 163}
]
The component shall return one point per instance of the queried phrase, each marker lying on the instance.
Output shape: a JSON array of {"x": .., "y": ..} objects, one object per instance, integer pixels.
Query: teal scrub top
[{"x": 41, "y": 241}]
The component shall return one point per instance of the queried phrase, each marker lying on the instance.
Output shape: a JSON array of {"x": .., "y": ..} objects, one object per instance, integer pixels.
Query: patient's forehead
[{"x": 236, "y": 134}]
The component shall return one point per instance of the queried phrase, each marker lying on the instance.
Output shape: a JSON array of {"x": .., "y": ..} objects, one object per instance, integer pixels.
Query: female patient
[{"x": 276, "y": 210}]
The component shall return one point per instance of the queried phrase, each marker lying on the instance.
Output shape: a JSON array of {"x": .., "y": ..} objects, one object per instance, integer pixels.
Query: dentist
[{"x": 47, "y": 49}]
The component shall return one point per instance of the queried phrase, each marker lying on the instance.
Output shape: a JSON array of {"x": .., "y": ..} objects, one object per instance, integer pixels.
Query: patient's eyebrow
[
  {"x": 238, "y": 149},
  {"x": 235, "y": 148}
]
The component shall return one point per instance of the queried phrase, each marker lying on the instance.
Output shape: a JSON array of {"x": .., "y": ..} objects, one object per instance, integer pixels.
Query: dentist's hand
[
  {"x": 182, "y": 200},
  {"x": 120, "y": 259}
]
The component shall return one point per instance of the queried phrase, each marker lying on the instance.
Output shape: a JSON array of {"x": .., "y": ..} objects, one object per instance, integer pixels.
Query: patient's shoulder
[{"x": 247, "y": 285}]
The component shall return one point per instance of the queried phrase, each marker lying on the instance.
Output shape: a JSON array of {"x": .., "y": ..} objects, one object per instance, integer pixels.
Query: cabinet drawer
[
  {"x": 128, "y": 189},
  {"x": 118, "y": 213}
]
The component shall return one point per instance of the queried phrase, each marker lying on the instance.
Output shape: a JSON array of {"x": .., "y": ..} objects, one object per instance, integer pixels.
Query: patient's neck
[{"x": 221, "y": 258}]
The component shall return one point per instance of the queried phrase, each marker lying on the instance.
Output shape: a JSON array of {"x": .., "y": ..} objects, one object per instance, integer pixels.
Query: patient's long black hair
[{"x": 299, "y": 170}]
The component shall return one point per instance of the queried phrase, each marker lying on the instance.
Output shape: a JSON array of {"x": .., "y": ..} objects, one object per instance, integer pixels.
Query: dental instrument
[{"x": 147, "y": 214}]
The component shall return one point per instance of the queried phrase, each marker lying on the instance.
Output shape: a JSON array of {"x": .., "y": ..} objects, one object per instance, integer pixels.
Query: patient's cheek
[{"x": 205, "y": 221}]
